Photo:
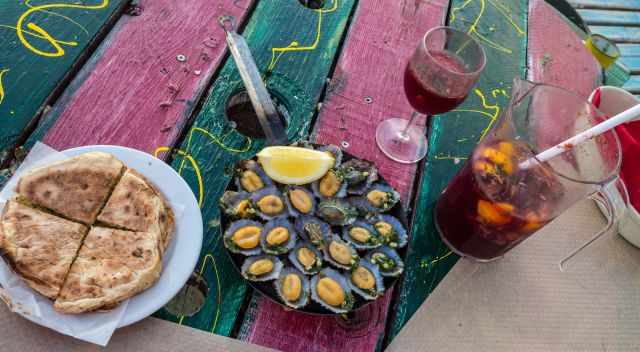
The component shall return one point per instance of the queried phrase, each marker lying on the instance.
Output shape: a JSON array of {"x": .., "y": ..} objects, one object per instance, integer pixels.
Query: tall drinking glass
[{"x": 437, "y": 78}]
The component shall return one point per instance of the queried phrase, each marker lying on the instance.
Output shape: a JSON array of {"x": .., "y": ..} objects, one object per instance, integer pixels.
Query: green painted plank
[
  {"x": 283, "y": 36},
  {"x": 610, "y": 18},
  {"x": 619, "y": 34},
  {"x": 630, "y": 5},
  {"x": 42, "y": 43},
  {"x": 633, "y": 85},
  {"x": 500, "y": 26}
]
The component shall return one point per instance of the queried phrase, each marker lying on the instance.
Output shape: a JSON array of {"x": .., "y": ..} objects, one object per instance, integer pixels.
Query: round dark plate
[{"x": 267, "y": 288}]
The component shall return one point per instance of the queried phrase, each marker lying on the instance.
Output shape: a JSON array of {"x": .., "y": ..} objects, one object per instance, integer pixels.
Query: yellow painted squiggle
[
  {"x": 195, "y": 167},
  {"x": 276, "y": 53},
  {"x": 473, "y": 29},
  {"x": 215, "y": 270},
  {"x": 41, "y": 33},
  {"x": 2, "y": 72}
]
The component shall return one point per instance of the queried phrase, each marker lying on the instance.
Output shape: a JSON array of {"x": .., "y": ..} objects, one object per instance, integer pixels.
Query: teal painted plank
[
  {"x": 629, "y": 49},
  {"x": 632, "y": 5},
  {"x": 284, "y": 37},
  {"x": 500, "y": 26},
  {"x": 632, "y": 63},
  {"x": 633, "y": 85},
  {"x": 619, "y": 34},
  {"x": 610, "y": 18},
  {"x": 42, "y": 43}
]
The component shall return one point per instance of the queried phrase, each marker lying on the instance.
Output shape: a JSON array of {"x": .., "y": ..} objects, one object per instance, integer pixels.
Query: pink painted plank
[
  {"x": 136, "y": 92},
  {"x": 556, "y": 53},
  {"x": 366, "y": 89}
]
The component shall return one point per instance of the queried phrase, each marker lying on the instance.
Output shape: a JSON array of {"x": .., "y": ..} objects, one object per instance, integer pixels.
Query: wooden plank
[
  {"x": 366, "y": 88},
  {"x": 619, "y": 34},
  {"x": 547, "y": 58},
  {"x": 632, "y": 63},
  {"x": 135, "y": 92},
  {"x": 633, "y": 85},
  {"x": 297, "y": 45},
  {"x": 500, "y": 26},
  {"x": 629, "y": 5},
  {"x": 41, "y": 45},
  {"x": 610, "y": 18},
  {"x": 629, "y": 49}
]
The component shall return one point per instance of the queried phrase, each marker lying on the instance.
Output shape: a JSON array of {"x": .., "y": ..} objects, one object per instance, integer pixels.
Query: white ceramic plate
[{"x": 182, "y": 255}]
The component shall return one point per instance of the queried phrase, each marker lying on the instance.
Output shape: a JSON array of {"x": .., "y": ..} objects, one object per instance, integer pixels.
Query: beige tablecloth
[{"x": 523, "y": 302}]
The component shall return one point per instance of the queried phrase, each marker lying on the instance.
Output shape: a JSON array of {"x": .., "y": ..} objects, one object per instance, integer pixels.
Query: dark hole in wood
[
  {"x": 191, "y": 297},
  {"x": 313, "y": 4},
  {"x": 240, "y": 111}
]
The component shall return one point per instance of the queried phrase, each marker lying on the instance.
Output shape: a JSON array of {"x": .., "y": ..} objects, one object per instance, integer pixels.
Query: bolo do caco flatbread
[{"x": 86, "y": 232}]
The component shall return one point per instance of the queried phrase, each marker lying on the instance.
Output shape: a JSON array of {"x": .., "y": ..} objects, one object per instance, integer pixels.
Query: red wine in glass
[
  {"x": 421, "y": 93},
  {"x": 440, "y": 73}
]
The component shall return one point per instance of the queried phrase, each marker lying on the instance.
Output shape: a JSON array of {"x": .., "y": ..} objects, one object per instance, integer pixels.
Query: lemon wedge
[{"x": 295, "y": 165}]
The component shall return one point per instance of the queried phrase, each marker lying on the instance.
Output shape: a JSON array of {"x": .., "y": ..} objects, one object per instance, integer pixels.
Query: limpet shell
[
  {"x": 397, "y": 238},
  {"x": 242, "y": 180},
  {"x": 269, "y": 203},
  {"x": 382, "y": 193},
  {"x": 333, "y": 175},
  {"x": 248, "y": 239},
  {"x": 312, "y": 229},
  {"x": 315, "y": 264},
  {"x": 340, "y": 253},
  {"x": 272, "y": 235},
  {"x": 298, "y": 198},
  {"x": 286, "y": 285},
  {"x": 337, "y": 212},
  {"x": 359, "y": 175},
  {"x": 368, "y": 272},
  {"x": 332, "y": 291},
  {"x": 261, "y": 263},
  {"x": 388, "y": 261},
  {"x": 237, "y": 204},
  {"x": 355, "y": 233}
]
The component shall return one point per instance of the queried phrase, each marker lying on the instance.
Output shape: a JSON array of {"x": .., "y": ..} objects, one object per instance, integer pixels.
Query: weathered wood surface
[
  {"x": 631, "y": 62},
  {"x": 297, "y": 46},
  {"x": 630, "y": 5},
  {"x": 135, "y": 92},
  {"x": 629, "y": 49},
  {"x": 366, "y": 88},
  {"x": 42, "y": 44},
  {"x": 610, "y": 18},
  {"x": 545, "y": 66},
  {"x": 500, "y": 26},
  {"x": 633, "y": 85},
  {"x": 630, "y": 35}
]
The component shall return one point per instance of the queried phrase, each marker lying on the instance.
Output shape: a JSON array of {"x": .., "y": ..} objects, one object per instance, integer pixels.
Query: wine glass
[{"x": 438, "y": 77}]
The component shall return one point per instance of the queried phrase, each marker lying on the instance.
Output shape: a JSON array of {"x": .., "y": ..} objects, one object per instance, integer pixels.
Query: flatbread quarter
[
  {"x": 136, "y": 205},
  {"x": 112, "y": 266},
  {"x": 39, "y": 246},
  {"x": 76, "y": 188}
]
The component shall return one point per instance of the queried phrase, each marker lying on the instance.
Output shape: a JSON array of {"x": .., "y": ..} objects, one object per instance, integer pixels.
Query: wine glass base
[{"x": 406, "y": 149}]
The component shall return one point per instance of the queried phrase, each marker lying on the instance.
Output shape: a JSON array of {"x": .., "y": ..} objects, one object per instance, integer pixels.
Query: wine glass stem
[{"x": 404, "y": 135}]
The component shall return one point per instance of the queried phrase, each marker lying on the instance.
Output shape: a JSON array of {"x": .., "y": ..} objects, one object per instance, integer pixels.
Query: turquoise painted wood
[
  {"x": 632, "y": 63},
  {"x": 633, "y": 85},
  {"x": 610, "y": 18},
  {"x": 630, "y": 5},
  {"x": 42, "y": 43},
  {"x": 500, "y": 27},
  {"x": 629, "y": 49},
  {"x": 619, "y": 34}
]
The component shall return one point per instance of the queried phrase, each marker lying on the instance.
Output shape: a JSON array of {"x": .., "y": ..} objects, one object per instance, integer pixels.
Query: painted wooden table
[{"x": 155, "y": 75}]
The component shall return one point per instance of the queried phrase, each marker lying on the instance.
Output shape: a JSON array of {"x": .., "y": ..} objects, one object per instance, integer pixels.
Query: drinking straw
[{"x": 581, "y": 137}]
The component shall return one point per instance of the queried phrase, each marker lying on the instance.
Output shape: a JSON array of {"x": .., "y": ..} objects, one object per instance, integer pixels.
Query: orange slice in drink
[{"x": 496, "y": 214}]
